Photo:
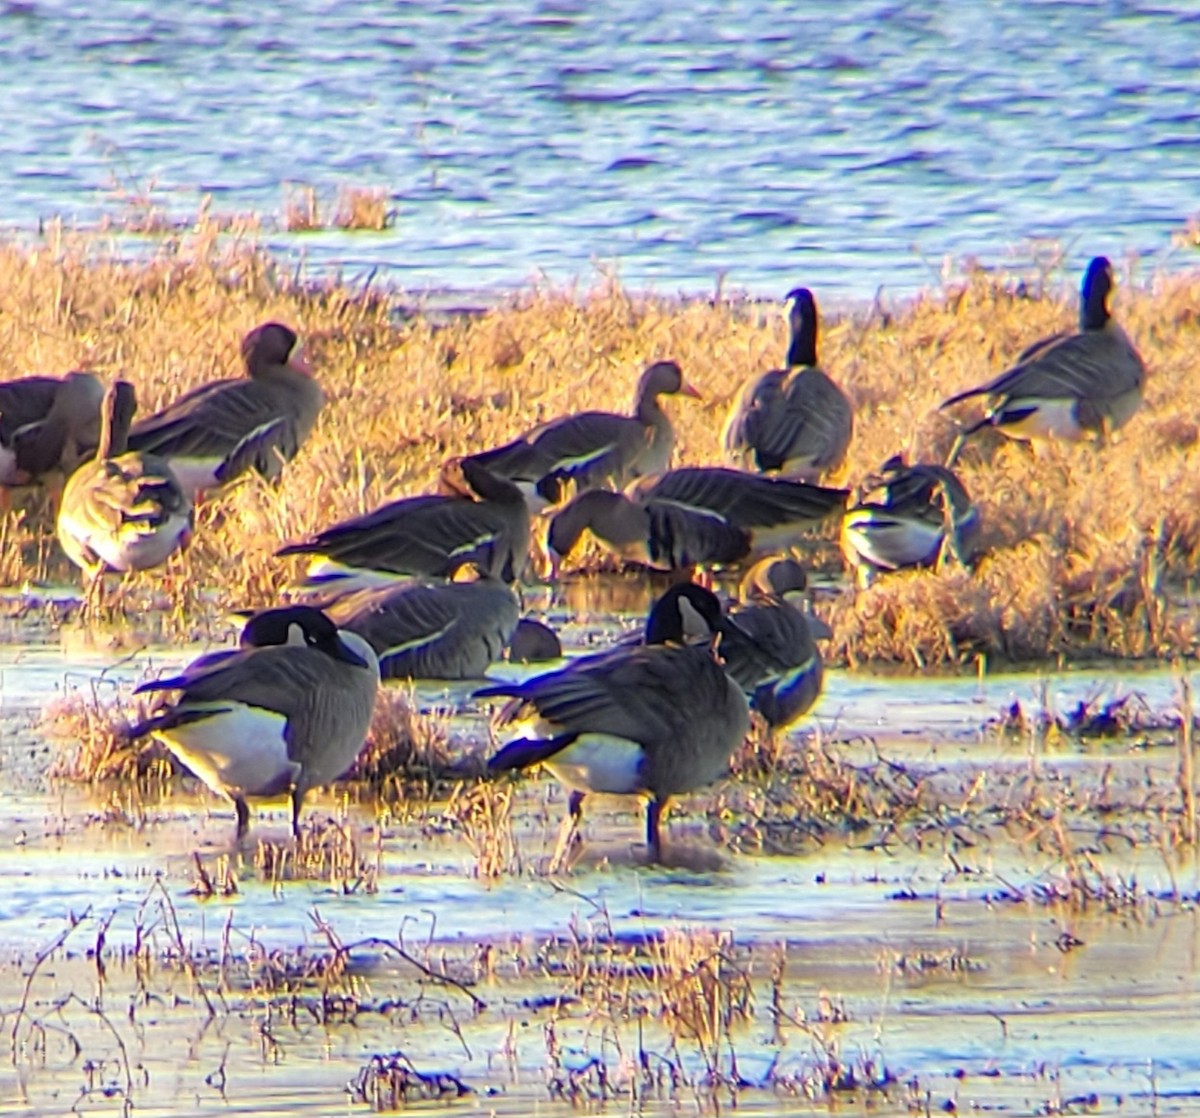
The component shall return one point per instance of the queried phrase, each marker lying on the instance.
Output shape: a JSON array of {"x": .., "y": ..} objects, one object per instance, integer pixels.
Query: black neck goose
[
  {"x": 254, "y": 422},
  {"x": 47, "y": 423},
  {"x": 771, "y": 654},
  {"x": 122, "y": 511},
  {"x": 655, "y": 720},
  {"x": 594, "y": 449},
  {"x": 451, "y": 631},
  {"x": 287, "y": 713},
  {"x": 483, "y": 520},
  {"x": 794, "y": 420},
  {"x": 909, "y": 516},
  {"x": 1067, "y": 386}
]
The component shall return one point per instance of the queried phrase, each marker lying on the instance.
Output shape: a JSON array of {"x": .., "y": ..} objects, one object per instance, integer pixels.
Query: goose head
[
  {"x": 273, "y": 346},
  {"x": 1098, "y": 283},
  {"x": 802, "y": 322},
  {"x": 301, "y": 625}
]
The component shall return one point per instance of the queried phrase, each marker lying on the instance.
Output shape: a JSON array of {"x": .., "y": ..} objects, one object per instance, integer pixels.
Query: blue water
[{"x": 840, "y": 143}]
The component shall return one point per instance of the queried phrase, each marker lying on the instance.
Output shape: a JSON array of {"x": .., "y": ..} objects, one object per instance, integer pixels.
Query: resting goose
[
  {"x": 907, "y": 516},
  {"x": 594, "y": 449},
  {"x": 1067, "y": 386},
  {"x": 430, "y": 536},
  {"x": 229, "y": 426},
  {"x": 47, "y": 423},
  {"x": 533, "y": 642},
  {"x": 122, "y": 511},
  {"x": 655, "y": 720},
  {"x": 286, "y": 713},
  {"x": 794, "y": 420}
]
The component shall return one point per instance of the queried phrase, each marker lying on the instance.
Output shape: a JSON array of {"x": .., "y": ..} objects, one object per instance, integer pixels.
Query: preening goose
[
  {"x": 430, "y": 536},
  {"x": 258, "y": 421},
  {"x": 286, "y": 713},
  {"x": 654, "y": 720},
  {"x": 47, "y": 423},
  {"x": 594, "y": 449},
  {"x": 794, "y": 420},
  {"x": 122, "y": 511},
  {"x": 1067, "y": 386}
]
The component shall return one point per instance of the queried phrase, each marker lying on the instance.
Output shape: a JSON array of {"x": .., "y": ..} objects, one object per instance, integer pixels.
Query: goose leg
[
  {"x": 243, "y": 817},
  {"x": 297, "y": 799},
  {"x": 654, "y": 811}
]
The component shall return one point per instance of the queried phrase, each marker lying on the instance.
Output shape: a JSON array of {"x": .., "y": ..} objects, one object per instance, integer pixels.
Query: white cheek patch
[
  {"x": 1050, "y": 419},
  {"x": 600, "y": 763},
  {"x": 236, "y": 748}
]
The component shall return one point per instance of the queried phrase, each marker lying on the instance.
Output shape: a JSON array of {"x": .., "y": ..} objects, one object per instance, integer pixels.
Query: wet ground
[{"x": 1023, "y": 942}]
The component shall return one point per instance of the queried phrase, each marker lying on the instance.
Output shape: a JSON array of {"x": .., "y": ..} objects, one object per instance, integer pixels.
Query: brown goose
[
  {"x": 794, "y": 420},
  {"x": 430, "y": 536},
  {"x": 286, "y": 713},
  {"x": 258, "y": 421},
  {"x": 908, "y": 516},
  {"x": 654, "y": 720},
  {"x": 451, "y": 631},
  {"x": 695, "y": 515},
  {"x": 47, "y": 423},
  {"x": 594, "y": 449},
  {"x": 1067, "y": 386},
  {"x": 123, "y": 511}
]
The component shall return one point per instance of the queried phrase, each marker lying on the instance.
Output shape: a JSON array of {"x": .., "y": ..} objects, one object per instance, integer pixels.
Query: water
[{"x": 841, "y": 143}]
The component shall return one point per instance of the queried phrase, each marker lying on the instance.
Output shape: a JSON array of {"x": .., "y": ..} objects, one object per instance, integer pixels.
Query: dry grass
[{"x": 1088, "y": 552}]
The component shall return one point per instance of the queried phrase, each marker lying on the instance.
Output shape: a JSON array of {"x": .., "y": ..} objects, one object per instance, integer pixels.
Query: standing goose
[
  {"x": 654, "y": 720},
  {"x": 258, "y": 421},
  {"x": 1067, "y": 386},
  {"x": 794, "y": 420},
  {"x": 481, "y": 520},
  {"x": 451, "y": 631},
  {"x": 908, "y": 516},
  {"x": 594, "y": 449},
  {"x": 123, "y": 511},
  {"x": 47, "y": 423},
  {"x": 286, "y": 713}
]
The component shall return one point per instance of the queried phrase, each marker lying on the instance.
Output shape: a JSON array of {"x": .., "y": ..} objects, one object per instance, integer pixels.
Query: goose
[
  {"x": 449, "y": 631},
  {"x": 772, "y": 654},
  {"x": 47, "y": 423},
  {"x": 793, "y": 420},
  {"x": 1068, "y": 386},
  {"x": 224, "y": 428},
  {"x": 122, "y": 511},
  {"x": 654, "y": 720},
  {"x": 908, "y": 516},
  {"x": 482, "y": 520},
  {"x": 533, "y": 642},
  {"x": 691, "y": 516},
  {"x": 286, "y": 713},
  {"x": 594, "y": 449}
]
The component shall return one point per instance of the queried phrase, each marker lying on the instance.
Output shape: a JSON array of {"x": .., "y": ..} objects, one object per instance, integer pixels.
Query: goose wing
[{"x": 744, "y": 500}]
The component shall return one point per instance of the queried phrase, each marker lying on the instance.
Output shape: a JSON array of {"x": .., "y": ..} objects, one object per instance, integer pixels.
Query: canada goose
[
  {"x": 693, "y": 516},
  {"x": 594, "y": 449},
  {"x": 1066, "y": 386},
  {"x": 431, "y": 536},
  {"x": 654, "y": 720},
  {"x": 286, "y": 713},
  {"x": 450, "y": 631},
  {"x": 795, "y": 419},
  {"x": 122, "y": 511},
  {"x": 772, "y": 654},
  {"x": 47, "y": 423},
  {"x": 533, "y": 642},
  {"x": 258, "y": 421},
  {"x": 908, "y": 516}
]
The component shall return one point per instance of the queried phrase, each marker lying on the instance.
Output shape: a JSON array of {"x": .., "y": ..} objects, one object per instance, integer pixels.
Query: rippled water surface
[{"x": 835, "y": 142}]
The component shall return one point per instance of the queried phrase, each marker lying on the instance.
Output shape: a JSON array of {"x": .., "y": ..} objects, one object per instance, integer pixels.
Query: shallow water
[{"x": 844, "y": 145}]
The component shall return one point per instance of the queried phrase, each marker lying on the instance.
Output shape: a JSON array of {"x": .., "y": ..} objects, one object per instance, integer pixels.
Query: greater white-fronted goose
[
  {"x": 258, "y": 421},
  {"x": 654, "y": 720},
  {"x": 594, "y": 449},
  {"x": 48, "y": 423},
  {"x": 287, "y": 713},
  {"x": 772, "y": 654},
  {"x": 909, "y": 516},
  {"x": 694, "y": 516},
  {"x": 450, "y": 631},
  {"x": 1067, "y": 386},
  {"x": 430, "y": 536},
  {"x": 793, "y": 420},
  {"x": 122, "y": 511}
]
